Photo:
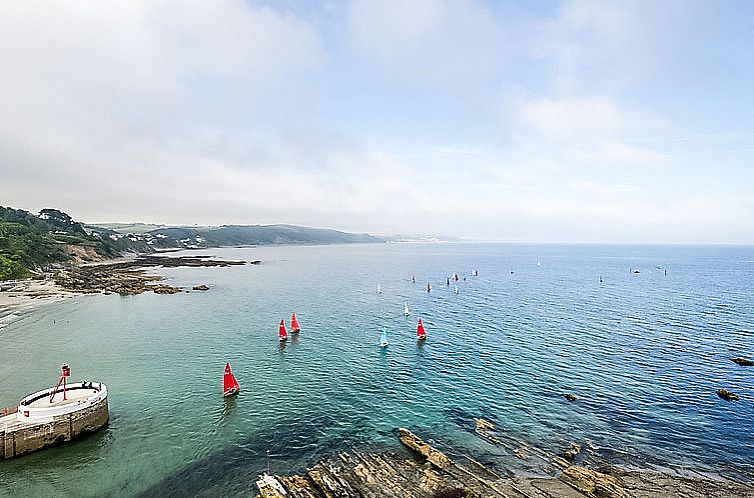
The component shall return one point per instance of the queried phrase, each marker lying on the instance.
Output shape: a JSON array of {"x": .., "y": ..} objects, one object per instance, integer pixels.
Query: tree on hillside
[{"x": 60, "y": 219}]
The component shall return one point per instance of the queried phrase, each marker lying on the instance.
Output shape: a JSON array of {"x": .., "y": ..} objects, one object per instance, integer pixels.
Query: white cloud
[
  {"x": 582, "y": 117},
  {"x": 224, "y": 112},
  {"x": 455, "y": 45}
]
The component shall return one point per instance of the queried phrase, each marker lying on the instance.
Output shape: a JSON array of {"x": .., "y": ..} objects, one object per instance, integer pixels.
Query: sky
[{"x": 529, "y": 121}]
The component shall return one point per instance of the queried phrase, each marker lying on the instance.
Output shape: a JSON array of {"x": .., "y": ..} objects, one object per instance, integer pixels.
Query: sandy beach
[{"x": 18, "y": 297}]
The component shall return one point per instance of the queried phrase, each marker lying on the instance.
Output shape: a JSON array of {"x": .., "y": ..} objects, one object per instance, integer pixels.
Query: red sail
[
  {"x": 294, "y": 323},
  {"x": 283, "y": 334},
  {"x": 420, "y": 329},
  {"x": 230, "y": 384}
]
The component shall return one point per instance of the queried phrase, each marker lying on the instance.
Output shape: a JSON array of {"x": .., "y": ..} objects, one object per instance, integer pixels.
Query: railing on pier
[{"x": 8, "y": 410}]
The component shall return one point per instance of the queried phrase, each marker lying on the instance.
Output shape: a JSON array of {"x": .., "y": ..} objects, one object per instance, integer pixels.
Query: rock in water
[
  {"x": 484, "y": 425},
  {"x": 727, "y": 395},
  {"x": 433, "y": 456},
  {"x": 571, "y": 453},
  {"x": 165, "y": 289},
  {"x": 201, "y": 287},
  {"x": 570, "y": 397},
  {"x": 743, "y": 362}
]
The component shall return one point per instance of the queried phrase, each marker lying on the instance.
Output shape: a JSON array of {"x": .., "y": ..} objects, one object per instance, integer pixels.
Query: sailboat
[
  {"x": 455, "y": 277},
  {"x": 455, "y": 289},
  {"x": 406, "y": 311},
  {"x": 429, "y": 287},
  {"x": 295, "y": 329},
  {"x": 383, "y": 338},
  {"x": 379, "y": 289},
  {"x": 420, "y": 333},
  {"x": 281, "y": 331},
  {"x": 230, "y": 384},
  {"x": 538, "y": 263}
]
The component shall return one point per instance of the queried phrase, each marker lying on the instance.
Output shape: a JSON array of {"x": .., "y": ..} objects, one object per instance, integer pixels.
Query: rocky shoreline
[
  {"x": 430, "y": 473},
  {"x": 124, "y": 276},
  {"x": 129, "y": 277}
]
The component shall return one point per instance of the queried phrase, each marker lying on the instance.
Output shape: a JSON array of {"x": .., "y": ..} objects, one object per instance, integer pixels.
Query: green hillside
[{"x": 31, "y": 242}]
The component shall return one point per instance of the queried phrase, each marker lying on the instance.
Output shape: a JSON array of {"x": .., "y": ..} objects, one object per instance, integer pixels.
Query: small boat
[
  {"x": 281, "y": 331},
  {"x": 295, "y": 329},
  {"x": 230, "y": 384},
  {"x": 455, "y": 289},
  {"x": 379, "y": 289},
  {"x": 421, "y": 334},
  {"x": 406, "y": 311},
  {"x": 429, "y": 287},
  {"x": 413, "y": 279},
  {"x": 455, "y": 277},
  {"x": 383, "y": 338}
]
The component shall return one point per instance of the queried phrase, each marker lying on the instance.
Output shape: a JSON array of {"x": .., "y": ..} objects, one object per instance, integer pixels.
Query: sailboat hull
[{"x": 231, "y": 392}]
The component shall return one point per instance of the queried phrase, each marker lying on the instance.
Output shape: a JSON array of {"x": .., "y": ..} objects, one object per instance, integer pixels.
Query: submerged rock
[
  {"x": 484, "y": 425},
  {"x": 483, "y": 428},
  {"x": 572, "y": 452},
  {"x": 743, "y": 362},
  {"x": 727, "y": 395},
  {"x": 570, "y": 397}
]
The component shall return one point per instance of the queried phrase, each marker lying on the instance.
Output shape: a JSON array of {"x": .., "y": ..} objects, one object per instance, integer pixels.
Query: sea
[{"x": 643, "y": 336}]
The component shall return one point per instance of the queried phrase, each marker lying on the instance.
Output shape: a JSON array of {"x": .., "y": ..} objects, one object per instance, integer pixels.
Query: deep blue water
[{"x": 643, "y": 352}]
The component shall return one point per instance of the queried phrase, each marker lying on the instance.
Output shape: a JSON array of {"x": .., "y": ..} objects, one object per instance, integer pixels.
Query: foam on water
[{"x": 643, "y": 352}]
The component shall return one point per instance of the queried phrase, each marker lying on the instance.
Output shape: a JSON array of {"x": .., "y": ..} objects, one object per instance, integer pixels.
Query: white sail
[
  {"x": 406, "y": 311},
  {"x": 383, "y": 338},
  {"x": 455, "y": 289}
]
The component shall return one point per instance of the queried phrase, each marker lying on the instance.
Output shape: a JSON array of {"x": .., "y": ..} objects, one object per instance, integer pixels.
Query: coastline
[
  {"x": 125, "y": 275},
  {"x": 20, "y": 297},
  {"x": 425, "y": 471}
]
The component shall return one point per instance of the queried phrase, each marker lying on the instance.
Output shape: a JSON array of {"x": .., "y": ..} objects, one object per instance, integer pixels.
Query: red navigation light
[{"x": 65, "y": 370}]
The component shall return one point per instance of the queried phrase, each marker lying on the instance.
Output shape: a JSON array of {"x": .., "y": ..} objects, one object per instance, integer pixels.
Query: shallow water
[{"x": 643, "y": 352}]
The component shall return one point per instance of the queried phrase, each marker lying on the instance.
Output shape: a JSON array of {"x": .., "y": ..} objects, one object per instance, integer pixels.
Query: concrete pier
[{"x": 39, "y": 422}]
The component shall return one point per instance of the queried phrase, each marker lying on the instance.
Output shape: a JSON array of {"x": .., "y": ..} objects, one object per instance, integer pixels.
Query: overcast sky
[{"x": 573, "y": 121}]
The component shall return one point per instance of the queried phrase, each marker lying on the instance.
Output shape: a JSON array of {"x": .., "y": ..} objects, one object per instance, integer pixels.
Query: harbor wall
[{"x": 24, "y": 438}]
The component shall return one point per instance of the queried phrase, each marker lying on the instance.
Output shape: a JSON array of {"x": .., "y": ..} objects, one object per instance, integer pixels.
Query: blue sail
[{"x": 383, "y": 337}]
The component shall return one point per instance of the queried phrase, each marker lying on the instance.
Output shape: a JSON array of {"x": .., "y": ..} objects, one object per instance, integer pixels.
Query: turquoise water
[{"x": 643, "y": 352}]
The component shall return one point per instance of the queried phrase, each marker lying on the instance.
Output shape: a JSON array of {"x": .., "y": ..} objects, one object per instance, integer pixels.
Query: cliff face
[{"x": 83, "y": 254}]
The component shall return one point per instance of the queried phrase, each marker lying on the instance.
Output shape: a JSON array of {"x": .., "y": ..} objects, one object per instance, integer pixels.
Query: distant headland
[{"x": 32, "y": 245}]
